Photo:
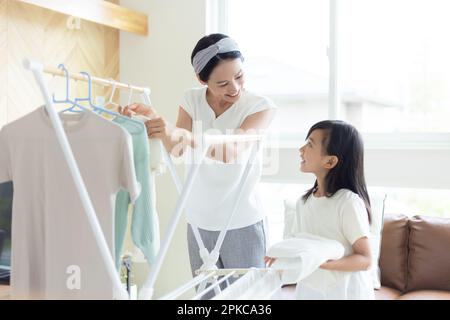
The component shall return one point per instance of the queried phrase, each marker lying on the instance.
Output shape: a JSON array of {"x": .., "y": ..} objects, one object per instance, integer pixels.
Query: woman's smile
[{"x": 235, "y": 95}]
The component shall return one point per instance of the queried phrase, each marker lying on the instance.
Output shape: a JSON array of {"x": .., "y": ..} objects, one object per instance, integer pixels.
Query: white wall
[{"x": 161, "y": 61}]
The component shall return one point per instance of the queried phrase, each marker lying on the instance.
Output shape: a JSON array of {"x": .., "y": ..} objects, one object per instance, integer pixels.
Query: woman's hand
[
  {"x": 158, "y": 128},
  {"x": 269, "y": 261},
  {"x": 137, "y": 109}
]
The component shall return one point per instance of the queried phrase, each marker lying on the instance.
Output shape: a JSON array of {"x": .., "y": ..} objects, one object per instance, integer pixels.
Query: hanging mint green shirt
[{"x": 144, "y": 223}]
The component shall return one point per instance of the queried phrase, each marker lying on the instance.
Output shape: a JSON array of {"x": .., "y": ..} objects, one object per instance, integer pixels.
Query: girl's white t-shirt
[
  {"x": 342, "y": 217},
  {"x": 216, "y": 186}
]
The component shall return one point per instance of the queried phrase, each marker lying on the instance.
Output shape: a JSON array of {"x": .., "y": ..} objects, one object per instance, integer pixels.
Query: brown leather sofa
[{"x": 414, "y": 258}]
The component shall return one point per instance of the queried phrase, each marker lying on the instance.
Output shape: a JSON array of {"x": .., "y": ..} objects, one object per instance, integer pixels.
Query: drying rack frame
[{"x": 209, "y": 258}]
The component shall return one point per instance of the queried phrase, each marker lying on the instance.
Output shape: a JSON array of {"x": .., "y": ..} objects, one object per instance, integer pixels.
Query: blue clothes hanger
[
  {"x": 96, "y": 108},
  {"x": 67, "y": 99},
  {"x": 75, "y": 103}
]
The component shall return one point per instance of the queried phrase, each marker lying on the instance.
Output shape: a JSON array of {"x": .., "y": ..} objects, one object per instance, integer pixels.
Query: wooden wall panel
[{"x": 47, "y": 36}]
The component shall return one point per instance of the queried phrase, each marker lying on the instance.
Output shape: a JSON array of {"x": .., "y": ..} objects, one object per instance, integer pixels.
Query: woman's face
[{"x": 227, "y": 80}]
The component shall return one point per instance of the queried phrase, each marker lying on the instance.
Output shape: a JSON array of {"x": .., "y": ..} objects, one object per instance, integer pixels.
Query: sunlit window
[
  {"x": 406, "y": 201},
  {"x": 285, "y": 47},
  {"x": 395, "y": 66},
  {"x": 393, "y": 70}
]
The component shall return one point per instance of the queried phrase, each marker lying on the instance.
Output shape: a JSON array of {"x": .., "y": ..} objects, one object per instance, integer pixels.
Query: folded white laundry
[{"x": 300, "y": 256}]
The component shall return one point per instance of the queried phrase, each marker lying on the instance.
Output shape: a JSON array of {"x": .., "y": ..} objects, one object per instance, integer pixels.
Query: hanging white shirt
[
  {"x": 342, "y": 217},
  {"x": 216, "y": 186},
  {"x": 54, "y": 252}
]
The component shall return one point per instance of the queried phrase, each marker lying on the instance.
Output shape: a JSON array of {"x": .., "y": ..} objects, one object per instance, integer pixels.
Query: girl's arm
[{"x": 361, "y": 258}]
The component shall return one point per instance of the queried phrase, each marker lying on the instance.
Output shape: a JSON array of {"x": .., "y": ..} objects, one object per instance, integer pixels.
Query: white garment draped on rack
[{"x": 209, "y": 258}]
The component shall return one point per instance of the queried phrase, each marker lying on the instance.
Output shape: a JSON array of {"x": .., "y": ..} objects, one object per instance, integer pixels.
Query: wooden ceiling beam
[{"x": 100, "y": 11}]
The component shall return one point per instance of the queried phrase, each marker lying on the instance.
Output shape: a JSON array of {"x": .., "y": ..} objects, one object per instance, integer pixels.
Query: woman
[{"x": 221, "y": 106}]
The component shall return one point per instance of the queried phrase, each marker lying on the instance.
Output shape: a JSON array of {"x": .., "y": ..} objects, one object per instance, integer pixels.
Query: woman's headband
[{"x": 202, "y": 57}]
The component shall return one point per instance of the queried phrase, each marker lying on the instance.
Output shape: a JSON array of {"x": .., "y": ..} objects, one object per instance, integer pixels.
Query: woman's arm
[
  {"x": 254, "y": 123},
  {"x": 179, "y": 137},
  {"x": 176, "y": 138},
  {"x": 361, "y": 258}
]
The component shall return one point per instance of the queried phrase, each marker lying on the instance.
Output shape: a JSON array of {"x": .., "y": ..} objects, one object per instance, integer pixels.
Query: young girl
[{"x": 337, "y": 207}]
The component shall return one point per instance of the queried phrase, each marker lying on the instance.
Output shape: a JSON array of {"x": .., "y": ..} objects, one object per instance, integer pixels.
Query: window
[
  {"x": 393, "y": 76},
  {"x": 285, "y": 44},
  {"x": 411, "y": 202},
  {"x": 394, "y": 64},
  {"x": 406, "y": 201},
  {"x": 393, "y": 70}
]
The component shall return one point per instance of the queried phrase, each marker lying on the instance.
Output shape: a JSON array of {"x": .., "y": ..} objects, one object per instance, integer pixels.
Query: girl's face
[
  {"x": 227, "y": 80},
  {"x": 313, "y": 156}
]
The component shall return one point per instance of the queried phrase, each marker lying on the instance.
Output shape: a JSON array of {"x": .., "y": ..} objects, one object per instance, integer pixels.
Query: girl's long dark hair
[{"x": 343, "y": 141}]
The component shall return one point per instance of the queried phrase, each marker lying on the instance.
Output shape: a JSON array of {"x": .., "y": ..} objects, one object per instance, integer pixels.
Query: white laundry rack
[
  {"x": 208, "y": 270},
  {"x": 209, "y": 258}
]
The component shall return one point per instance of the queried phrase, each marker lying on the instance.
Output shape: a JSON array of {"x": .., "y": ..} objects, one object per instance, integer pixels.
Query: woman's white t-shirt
[
  {"x": 216, "y": 186},
  {"x": 342, "y": 217}
]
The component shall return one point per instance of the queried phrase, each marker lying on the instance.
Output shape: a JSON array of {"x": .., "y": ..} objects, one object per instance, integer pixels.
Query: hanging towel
[{"x": 144, "y": 224}]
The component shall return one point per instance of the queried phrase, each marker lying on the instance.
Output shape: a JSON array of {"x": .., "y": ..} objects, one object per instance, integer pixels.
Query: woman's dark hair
[
  {"x": 204, "y": 43},
  {"x": 343, "y": 141}
]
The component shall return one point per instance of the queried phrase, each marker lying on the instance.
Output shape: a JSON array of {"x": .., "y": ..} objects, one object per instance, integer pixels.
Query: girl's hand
[
  {"x": 269, "y": 261},
  {"x": 137, "y": 108},
  {"x": 326, "y": 265}
]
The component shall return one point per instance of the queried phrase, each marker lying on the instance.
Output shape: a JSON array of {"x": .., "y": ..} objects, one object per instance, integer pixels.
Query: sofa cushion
[
  {"x": 426, "y": 295},
  {"x": 429, "y": 254},
  {"x": 393, "y": 257}
]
